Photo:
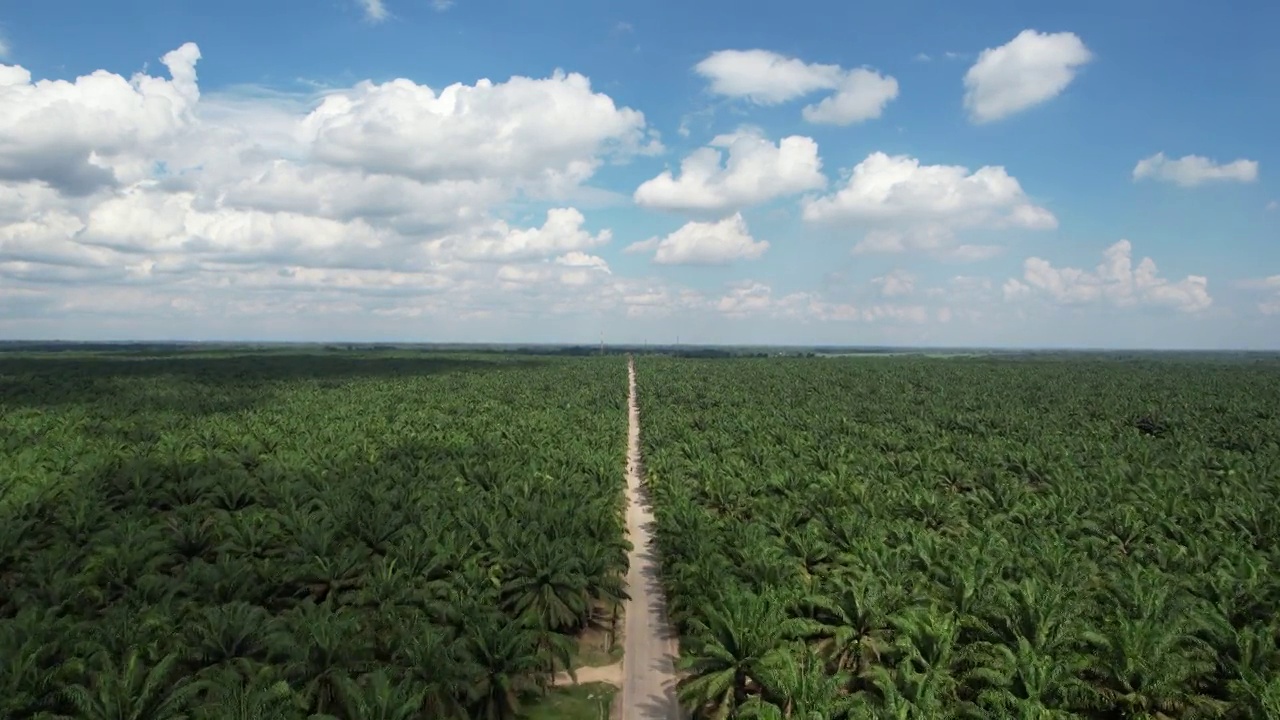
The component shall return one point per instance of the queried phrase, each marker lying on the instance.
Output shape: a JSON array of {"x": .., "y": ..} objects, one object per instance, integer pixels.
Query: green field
[
  {"x": 916, "y": 538},
  {"x": 274, "y": 535},
  {"x": 386, "y": 534}
]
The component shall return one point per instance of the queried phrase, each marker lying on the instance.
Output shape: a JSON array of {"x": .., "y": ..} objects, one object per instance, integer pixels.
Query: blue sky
[{"x": 985, "y": 173}]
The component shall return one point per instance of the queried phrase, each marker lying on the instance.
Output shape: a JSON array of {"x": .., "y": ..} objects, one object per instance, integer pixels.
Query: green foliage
[
  {"x": 275, "y": 536},
  {"x": 921, "y": 538}
]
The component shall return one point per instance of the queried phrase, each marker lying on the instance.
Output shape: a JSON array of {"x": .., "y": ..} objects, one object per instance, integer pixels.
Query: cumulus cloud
[
  {"x": 561, "y": 233},
  {"x": 861, "y": 95},
  {"x": 143, "y": 196},
  {"x": 756, "y": 171},
  {"x": 1028, "y": 70},
  {"x": 1115, "y": 280},
  {"x": 915, "y": 207},
  {"x": 884, "y": 187},
  {"x": 579, "y": 259},
  {"x": 82, "y": 136},
  {"x": 552, "y": 130},
  {"x": 704, "y": 243},
  {"x": 1193, "y": 170},
  {"x": 765, "y": 77}
]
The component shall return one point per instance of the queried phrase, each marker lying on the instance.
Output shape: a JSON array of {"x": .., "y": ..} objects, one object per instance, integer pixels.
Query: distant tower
[{"x": 601, "y": 342}]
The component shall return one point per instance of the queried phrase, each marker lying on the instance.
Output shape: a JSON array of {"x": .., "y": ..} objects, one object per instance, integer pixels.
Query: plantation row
[
  {"x": 913, "y": 538},
  {"x": 272, "y": 536}
]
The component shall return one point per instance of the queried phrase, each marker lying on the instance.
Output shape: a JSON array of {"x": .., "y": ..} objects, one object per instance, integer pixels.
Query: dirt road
[{"x": 649, "y": 644}]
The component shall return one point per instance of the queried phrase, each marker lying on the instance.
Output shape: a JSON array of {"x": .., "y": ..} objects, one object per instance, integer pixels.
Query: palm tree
[
  {"x": 728, "y": 652},
  {"x": 231, "y": 635},
  {"x": 29, "y": 664},
  {"x": 505, "y": 662},
  {"x": 131, "y": 691},
  {"x": 548, "y": 586},
  {"x": 605, "y": 568},
  {"x": 1152, "y": 665},
  {"x": 797, "y": 686},
  {"x": 376, "y": 697},
  {"x": 1256, "y": 696},
  {"x": 926, "y": 646},
  {"x": 851, "y": 620},
  {"x": 432, "y": 660},
  {"x": 319, "y": 648},
  {"x": 260, "y": 697},
  {"x": 1026, "y": 684}
]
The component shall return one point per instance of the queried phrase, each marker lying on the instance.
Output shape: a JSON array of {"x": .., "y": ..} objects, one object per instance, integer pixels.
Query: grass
[{"x": 589, "y": 701}]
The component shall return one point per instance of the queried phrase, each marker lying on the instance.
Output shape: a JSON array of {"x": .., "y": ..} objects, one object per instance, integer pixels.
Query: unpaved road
[{"x": 649, "y": 643}]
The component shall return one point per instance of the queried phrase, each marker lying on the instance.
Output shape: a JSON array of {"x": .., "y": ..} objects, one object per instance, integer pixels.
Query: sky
[{"x": 979, "y": 174}]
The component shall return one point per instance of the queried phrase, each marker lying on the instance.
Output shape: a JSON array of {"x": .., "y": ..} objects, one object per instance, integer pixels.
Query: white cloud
[
  {"x": 141, "y": 207},
  {"x": 140, "y": 198},
  {"x": 915, "y": 207},
  {"x": 884, "y": 187},
  {"x": 747, "y": 298},
  {"x": 80, "y": 136},
  {"x": 756, "y": 171},
  {"x": 579, "y": 259},
  {"x": 1030, "y": 69},
  {"x": 561, "y": 233},
  {"x": 704, "y": 243},
  {"x": 547, "y": 132},
  {"x": 1273, "y": 205},
  {"x": 765, "y": 77},
  {"x": 895, "y": 283},
  {"x": 1015, "y": 289},
  {"x": 1193, "y": 170},
  {"x": 5, "y": 50},
  {"x": 441, "y": 5},
  {"x": 1115, "y": 281},
  {"x": 861, "y": 95},
  {"x": 375, "y": 11}
]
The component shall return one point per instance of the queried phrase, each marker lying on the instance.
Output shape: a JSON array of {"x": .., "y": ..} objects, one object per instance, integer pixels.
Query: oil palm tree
[
  {"x": 376, "y": 697},
  {"x": 547, "y": 586},
  {"x": 727, "y": 653},
  {"x": 504, "y": 664},
  {"x": 261, "y": 696},
  {"x": 797, "y": 686},
  {"x": 851, "y": 619},
  {"x": 129, "y": 690}
]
